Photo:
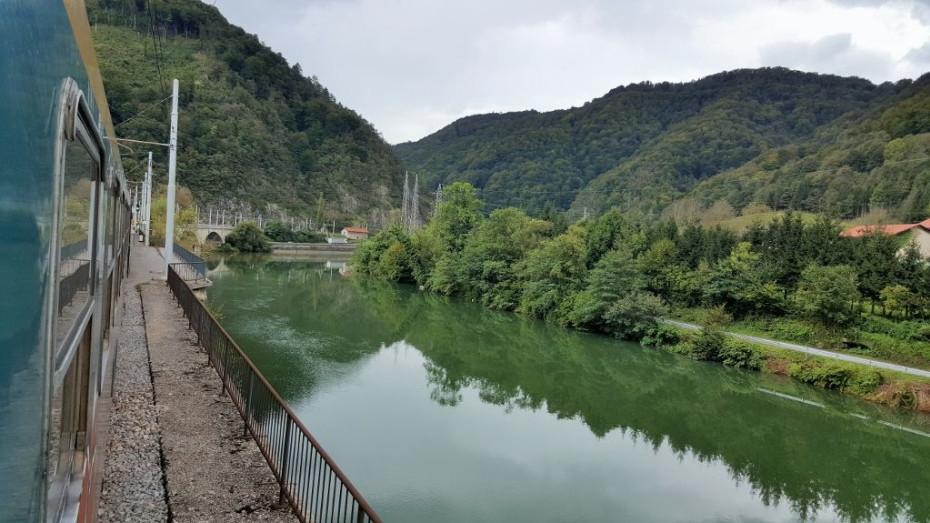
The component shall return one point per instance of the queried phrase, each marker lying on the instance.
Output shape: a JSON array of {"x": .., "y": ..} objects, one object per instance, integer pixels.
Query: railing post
[
  {"x": 284, "y": 459},
  {"x": 248, "y": 405},
  {"x": 222, "y": 352},
  {"x": 225, "y": 364}
]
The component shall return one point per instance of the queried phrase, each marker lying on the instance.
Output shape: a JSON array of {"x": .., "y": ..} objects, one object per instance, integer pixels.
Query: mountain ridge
[
  {"x": 255, "y": 132},
  {"x": 644, "y": 145}
]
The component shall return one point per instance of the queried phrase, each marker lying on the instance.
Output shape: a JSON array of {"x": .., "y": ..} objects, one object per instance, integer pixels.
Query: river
[{"x": 439, "y": 410}]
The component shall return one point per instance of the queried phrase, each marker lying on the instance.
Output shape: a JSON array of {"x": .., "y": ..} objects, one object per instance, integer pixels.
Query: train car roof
[{"x": 80, "y": 26}]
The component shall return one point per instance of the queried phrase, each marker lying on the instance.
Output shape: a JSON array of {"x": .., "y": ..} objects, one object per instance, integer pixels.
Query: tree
[
  {"x": 184, "y": 219},
  {"x": 686, "y": 211},
  {"x": 387, "y": 255},
  {"x": 635, "y": 316},
  {"x": 247, "y": 237},
  {"x": 492, "y": 252},
  {"x": 458, "y": 213},
  {"x": 279, "y": 231},
  {"x": 897, "y": 299},
  {"x": 553, "y": 271},
  {"x": 828, "y": 294},
  {"x": 720, "y": 211},
  {"x": 616, "y": 275},
  {"x": 739, "y": 286},
  {"x": 659, "y": 267},
  {"x": 875, "y": 261}
]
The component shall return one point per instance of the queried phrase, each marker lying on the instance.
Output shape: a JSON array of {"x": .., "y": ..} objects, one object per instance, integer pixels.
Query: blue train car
[{"x": 64, "y": 246}]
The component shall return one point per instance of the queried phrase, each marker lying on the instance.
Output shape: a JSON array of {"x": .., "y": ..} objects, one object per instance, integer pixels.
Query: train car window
[
  {"x": 112, "y": 204},
  {"x": 80, "y": 198},
  {"x": 75, "y": 276},
  {"x": 68, "y": 427}
]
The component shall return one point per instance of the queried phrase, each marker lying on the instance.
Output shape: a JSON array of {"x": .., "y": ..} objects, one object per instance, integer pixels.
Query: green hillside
[
  {"x": 782, "y": 138},
  {"x": 253, "y": 131}
]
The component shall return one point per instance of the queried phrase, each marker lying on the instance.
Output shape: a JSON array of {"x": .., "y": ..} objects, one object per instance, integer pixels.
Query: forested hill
[
  {"x": 253, "y": 129},
  {"x": 772, "y": 136}
]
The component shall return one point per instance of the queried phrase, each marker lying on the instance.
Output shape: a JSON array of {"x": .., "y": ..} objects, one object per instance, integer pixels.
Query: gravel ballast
[{"x": 176, "y": 450}]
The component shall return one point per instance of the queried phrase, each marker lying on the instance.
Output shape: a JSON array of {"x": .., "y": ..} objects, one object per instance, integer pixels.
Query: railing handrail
[
  {"x": 73, "y": 249},
  {"x": 198, "y": 264},
  {"x": 187, "y": 255},
  {"x": 362, "y": 504}
]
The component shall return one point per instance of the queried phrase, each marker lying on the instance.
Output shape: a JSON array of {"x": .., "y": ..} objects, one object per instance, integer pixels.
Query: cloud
[
  {"x": 830, "y": 54},
  {"x": 920, "y": 56},
  {"x": 412, "y": 66}
]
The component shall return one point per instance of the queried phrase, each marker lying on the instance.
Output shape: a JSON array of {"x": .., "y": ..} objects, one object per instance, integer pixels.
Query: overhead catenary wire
[
  {"x": 156, "y": 43},
  {"x": 151, "y": 105}
]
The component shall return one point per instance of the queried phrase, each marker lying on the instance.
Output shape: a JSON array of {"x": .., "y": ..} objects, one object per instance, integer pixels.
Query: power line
[
  {"x": 156, "y": 40},
  {"x": 154, "y": 104}
]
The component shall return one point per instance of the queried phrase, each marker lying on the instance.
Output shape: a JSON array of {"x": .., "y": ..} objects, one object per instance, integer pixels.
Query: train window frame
[
  {"x": 70, "y": 356},
  {"x": 77, "y": 127}
]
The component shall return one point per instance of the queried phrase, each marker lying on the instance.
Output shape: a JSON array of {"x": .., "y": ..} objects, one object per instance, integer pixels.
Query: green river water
[{"x": 439, "y": 410}]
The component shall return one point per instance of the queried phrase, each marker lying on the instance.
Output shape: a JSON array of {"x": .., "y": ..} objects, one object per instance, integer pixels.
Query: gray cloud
[
  {"x": 831, "y": 54},
  {"x": 920, "y": 56}
]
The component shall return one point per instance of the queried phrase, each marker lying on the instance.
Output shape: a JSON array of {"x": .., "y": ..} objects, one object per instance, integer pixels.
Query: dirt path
[
  {"x": 176, "y": 451},
  {"x": 812, "y": 350}
]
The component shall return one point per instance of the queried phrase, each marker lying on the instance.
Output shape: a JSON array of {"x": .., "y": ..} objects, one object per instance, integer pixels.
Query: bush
[
  {"x": 633, "y": 317},
  {"x": 834, "y": 376},
  {"x": 740, "y": 355},
  {"x": 709, "y": 343},
  {"x": 661, "y": 336},
  {"x": 247, "y": 237},
  {"x": 828, "y": 376}
]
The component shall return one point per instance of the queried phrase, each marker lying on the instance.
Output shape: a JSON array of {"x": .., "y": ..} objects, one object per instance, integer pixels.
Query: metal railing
[
  {"x": 309, "y": 479},
  {"x": 78, "y": 279},
  {"x": 73, "y": 249},
  {"x": 197, "y": 264}
]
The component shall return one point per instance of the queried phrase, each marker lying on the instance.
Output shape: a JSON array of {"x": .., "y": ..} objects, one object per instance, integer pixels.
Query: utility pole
[
  {"x": 172, "y": 175},
  {"x": 405, "y": 208},
  {"x": 135, "y": 204},
  {"x": 438, "y": 200},
  {"x": 415, "y": 203},
  {"x": 147, "y": 202}
]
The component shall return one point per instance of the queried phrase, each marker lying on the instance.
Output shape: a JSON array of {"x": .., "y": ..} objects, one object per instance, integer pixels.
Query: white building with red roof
[
  {"x": 355, "y": 233},
  {"x": 918, "y": 233}
]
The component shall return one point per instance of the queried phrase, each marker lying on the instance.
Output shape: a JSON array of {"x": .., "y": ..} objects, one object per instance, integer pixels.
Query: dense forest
[
  {"x": 254, "y": 131},
  {"x": 775, "y": 137},
  {"x": 618, "y": 274}
]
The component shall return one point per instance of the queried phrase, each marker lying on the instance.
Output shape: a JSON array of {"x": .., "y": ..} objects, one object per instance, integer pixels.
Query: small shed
[{"x": 355, "y": 233}]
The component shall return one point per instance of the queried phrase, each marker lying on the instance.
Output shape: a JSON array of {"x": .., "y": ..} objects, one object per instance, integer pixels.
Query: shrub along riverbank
[{"x": 616, "y": 274}]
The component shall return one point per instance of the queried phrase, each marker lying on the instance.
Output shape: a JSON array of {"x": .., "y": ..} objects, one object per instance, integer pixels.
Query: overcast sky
[{"x": 413, "y": 66}]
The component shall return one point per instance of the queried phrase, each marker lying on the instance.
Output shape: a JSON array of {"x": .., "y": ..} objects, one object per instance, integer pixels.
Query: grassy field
[{"x": 741, "y": 223}]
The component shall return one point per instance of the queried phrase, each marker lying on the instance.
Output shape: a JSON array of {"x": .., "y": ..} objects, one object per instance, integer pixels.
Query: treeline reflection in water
[{"x": 792, "y": 444}]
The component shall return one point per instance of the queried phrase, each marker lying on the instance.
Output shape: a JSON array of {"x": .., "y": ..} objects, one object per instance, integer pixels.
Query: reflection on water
[{"x": 443, "y": 411}]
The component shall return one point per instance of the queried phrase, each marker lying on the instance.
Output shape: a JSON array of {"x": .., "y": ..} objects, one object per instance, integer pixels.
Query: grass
[
  {"x": 741, "y": 223},
  {"x": 885, "y": 387},
  {"x": 878, "y": 338}
]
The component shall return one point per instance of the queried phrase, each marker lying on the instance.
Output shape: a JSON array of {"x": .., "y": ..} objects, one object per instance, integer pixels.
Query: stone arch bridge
[{"x": 212, "y": 232}]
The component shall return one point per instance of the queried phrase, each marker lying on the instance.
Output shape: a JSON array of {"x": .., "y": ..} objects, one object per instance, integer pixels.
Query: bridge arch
[{"x": 214, "y": 234}]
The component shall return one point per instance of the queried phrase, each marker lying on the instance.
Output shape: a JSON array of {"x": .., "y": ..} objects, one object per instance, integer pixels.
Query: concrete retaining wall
[{"x": 277, "y": 247}]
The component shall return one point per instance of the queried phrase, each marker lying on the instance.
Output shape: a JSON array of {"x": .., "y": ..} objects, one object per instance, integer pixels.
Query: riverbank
[
  {"x": 504, "y": 399},
  {"x": 176, "y": 450},
  {"x": 322, "y": 248},
  {"x": 875, "y": 381}
]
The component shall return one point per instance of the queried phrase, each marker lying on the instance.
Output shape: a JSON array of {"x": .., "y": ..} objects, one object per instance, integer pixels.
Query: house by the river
[{"x": 919, "y": 233}]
